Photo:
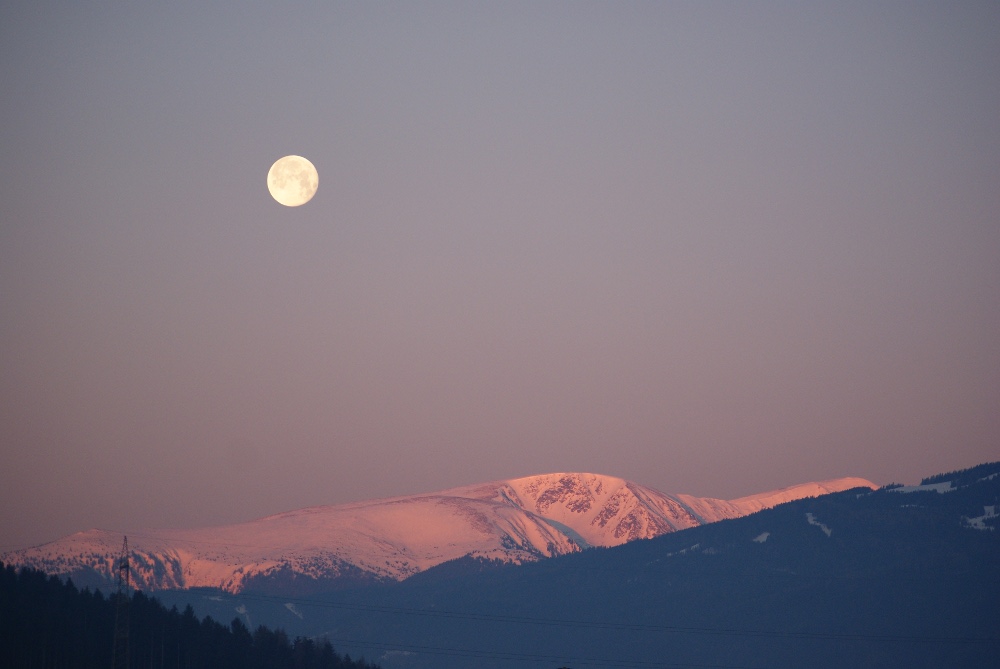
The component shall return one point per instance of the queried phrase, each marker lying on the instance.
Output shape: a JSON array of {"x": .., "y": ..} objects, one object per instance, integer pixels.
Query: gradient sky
[{"x": 715, "y": 248}]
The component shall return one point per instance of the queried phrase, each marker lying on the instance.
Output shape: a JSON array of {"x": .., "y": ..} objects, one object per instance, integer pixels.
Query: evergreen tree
[{"x": 47, "y": 623}]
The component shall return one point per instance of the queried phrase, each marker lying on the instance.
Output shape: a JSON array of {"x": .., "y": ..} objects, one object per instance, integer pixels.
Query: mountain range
[
  {"x": 327, "y": 547},
  {"x": 805, "y": 576},
  {"x": 900, "y": 576}
]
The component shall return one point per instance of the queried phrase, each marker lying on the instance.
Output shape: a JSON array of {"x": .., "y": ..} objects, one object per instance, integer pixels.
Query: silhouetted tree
[{"x": 46, "y": 623}]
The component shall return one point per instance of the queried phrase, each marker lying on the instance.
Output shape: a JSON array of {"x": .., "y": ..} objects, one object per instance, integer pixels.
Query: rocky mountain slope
[{"x": 516, "y": 520}]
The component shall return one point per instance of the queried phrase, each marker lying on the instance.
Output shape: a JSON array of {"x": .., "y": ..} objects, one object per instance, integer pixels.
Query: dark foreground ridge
[{"x": 46, "y": 623}]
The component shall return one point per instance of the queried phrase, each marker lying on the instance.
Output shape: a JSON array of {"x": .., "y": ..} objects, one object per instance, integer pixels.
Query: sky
[{"x": 714, "y": 248}]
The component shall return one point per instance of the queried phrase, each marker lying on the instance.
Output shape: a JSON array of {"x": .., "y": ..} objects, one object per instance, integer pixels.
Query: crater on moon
[{"x": 292, "y": 181}]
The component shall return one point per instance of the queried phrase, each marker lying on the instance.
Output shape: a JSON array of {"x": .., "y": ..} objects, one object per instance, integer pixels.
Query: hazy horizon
[{"x": 713, "y": 248}]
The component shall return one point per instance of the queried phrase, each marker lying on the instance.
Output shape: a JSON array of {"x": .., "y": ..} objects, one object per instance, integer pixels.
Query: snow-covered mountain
[{"x": 515, "y": 520}]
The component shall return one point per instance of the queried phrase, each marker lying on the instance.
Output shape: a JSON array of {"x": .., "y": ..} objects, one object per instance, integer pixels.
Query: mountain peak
[{"x": 514, "y": 520}]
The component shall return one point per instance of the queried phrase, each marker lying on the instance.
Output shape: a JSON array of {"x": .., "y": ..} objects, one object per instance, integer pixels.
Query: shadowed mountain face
[
  {"x": 516, "y": 521},
  {"x": 895, "y": 577}
]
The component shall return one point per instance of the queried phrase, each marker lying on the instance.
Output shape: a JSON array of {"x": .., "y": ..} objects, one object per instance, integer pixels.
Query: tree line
[{"x": 48, "y": 623}]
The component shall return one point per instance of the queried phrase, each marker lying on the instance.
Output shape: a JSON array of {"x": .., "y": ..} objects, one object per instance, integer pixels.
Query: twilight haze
[{"x": 715, "y": 248}]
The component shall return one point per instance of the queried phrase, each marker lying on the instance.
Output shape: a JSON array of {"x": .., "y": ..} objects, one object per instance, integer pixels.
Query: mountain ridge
[{"x": 512, "y": 520}]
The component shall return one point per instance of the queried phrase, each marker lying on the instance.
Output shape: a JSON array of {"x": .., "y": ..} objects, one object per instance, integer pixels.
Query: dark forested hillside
[
  {"x": 46, "y": 623},
  {"x": 893, "y": 577}
]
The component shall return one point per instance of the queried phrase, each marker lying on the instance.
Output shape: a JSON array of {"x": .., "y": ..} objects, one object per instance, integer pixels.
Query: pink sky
[{"x": 716, "y": 249}]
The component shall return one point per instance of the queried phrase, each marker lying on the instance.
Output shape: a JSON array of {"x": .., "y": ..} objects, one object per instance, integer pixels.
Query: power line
[{"x": 120, "y": 654}]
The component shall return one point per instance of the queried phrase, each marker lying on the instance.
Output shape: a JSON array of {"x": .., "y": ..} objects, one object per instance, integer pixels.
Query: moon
[{"x": 292, "y": 181}]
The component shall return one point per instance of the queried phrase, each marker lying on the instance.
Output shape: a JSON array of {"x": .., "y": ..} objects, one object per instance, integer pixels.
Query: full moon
[{"x": 292, "y": 181}]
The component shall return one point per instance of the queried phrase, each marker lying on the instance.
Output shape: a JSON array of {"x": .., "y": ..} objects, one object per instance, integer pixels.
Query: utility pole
[{"x": 119, "y": 658}]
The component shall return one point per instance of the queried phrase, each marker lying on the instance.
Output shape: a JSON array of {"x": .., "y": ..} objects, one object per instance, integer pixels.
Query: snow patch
[
  {"x": 295, "y": 611},
  {"x": 389, "y": 654},
  {"x": 930, "y": 487},
  {"x": 684, "y": 550},
  {"x": 979, "y": 521},
  {"x": 761, "y": 538},
  {"x": 812, "y": 521},
  {"x": 243, "y": 611}
]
